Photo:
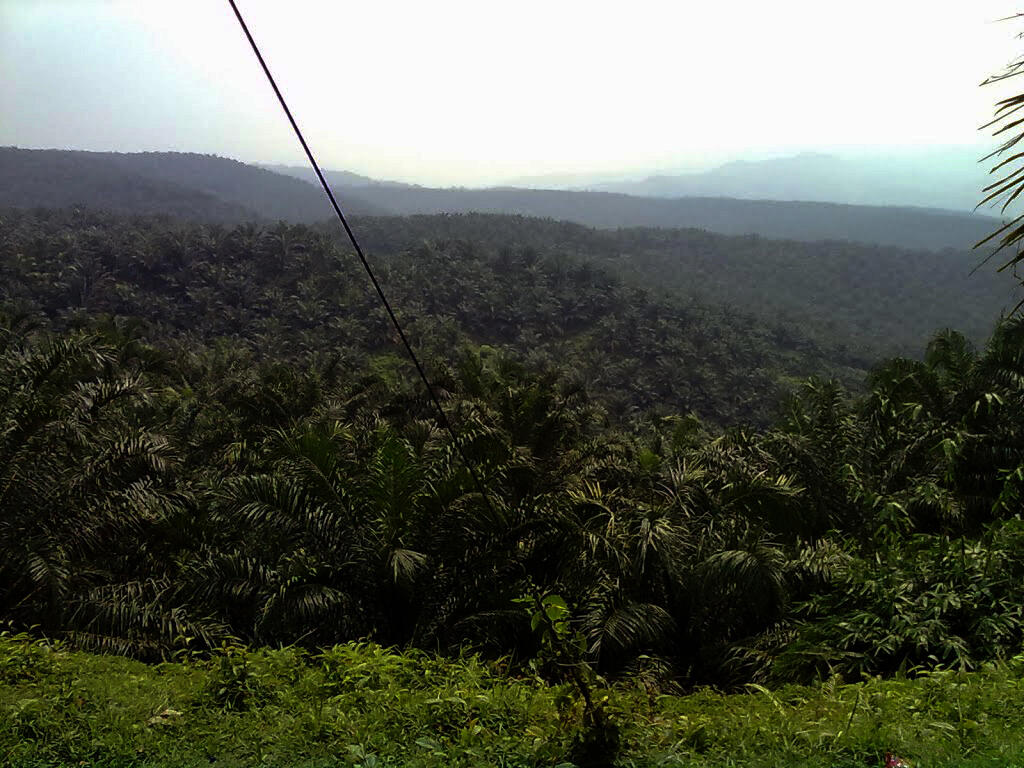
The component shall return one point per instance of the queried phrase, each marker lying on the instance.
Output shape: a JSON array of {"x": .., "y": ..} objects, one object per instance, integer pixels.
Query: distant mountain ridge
[
  {"x": 807, "y": 221},
  {"x": 180, "y": 183},
  {"x": 659, "y": 203},
  {"x": 950, "y": 179},
  {"x": 216, "y": 188},
  {"x": 334, "y": 178},
  {"x": 44, "y": 179}
]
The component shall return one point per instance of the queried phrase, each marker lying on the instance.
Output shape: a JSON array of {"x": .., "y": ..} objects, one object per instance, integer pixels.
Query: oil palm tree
[{"x": 87, "y": 495}]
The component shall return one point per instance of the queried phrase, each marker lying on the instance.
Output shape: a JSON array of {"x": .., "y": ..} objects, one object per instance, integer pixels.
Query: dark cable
[{"x": 362, "y": 258}]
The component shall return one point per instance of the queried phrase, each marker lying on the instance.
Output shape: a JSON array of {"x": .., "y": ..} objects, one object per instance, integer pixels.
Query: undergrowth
[{"x": 363, "y": 705}]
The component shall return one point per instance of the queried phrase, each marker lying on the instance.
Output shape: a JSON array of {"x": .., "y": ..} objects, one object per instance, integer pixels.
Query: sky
[{"x": 476, "y": 92}]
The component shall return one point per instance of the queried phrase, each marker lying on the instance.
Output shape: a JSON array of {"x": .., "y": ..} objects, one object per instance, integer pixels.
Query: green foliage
[
  {"x": 1008, "y": 185},
  {"x": 360, "y": 704},
  {"x": 291, "y": 293},
  {"x": 598, "y": 743},
  {"x": 165, "y": 490},
  {"x": 938, "y": 603},
  {"x": 25, "y": 658},
  {"x": 241, "y": 680},
  {"x": 854, "y": 301}
]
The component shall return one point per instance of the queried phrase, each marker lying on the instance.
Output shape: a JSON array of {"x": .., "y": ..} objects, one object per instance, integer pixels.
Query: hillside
[
  {"x": 293, "y": 292},
  {"x": 919, "y": 228},
  {"x": 217, "y": 188},
  {"x": 335, "y": 178},
  {"x": 213, "y": 436},
  {"x": 839, "y": 292},
  {"x": 203, "y": 186},
  {"x": 45, "y": 179},
  {"x": 210, "y": 438},
  {"x": 566, "y": 422},
  {"x": 876, "y": 300},
  {"x": 806, "y": 221}
]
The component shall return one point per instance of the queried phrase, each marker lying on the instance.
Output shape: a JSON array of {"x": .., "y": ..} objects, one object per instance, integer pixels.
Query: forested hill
[
  {"x": 55, "y": 178},
  {"x": 266, "y": 470},
  {"x": 183, "y": 184},
  {"x": 809, "y": 221},
  {"x": 921, "y": 228},
  {"x": 878, "y": 300},
  {"x": 290, "y": 292},
  {"x": 46, "y": 179},
  {"x": 874, "y": 300},
  {"x": 211, "y": 435}
]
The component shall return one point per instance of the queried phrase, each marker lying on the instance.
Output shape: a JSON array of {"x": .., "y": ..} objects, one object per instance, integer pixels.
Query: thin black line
[{"x": 362, "y": 258}]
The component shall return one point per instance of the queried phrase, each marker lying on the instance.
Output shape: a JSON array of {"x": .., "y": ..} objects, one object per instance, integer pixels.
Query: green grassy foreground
[{"x": 363, "y": 705}]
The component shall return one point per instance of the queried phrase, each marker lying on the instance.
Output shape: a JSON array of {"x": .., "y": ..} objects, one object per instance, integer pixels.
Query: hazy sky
[{"x": 478, "y": 91}]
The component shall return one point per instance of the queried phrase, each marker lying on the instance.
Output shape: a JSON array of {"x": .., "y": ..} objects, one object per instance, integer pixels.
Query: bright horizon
[{"x": 465, "y": 93}]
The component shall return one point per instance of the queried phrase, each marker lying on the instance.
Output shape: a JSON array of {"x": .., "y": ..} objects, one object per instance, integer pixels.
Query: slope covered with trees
[
  {"x": 163, "y": 481},
  {"x": 877, "y": 301},
  {"x": 809, "y": 221},
  {"x": 44, "y": 179},
  {"x": 189, "y": 185},
  {"x": 292, "y": 292},
  {"x": 874, "y": 300},
  {"x": 55, "y": 174},
  {"x": 870, "y": 300}
]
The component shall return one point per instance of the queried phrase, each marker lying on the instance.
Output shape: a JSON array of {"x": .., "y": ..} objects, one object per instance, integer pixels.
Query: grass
[{"x": 363, "y": 705}]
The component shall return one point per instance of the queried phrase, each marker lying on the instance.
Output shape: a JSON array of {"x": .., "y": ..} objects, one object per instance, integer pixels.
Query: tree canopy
[{"x": 201, "y": 440}]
